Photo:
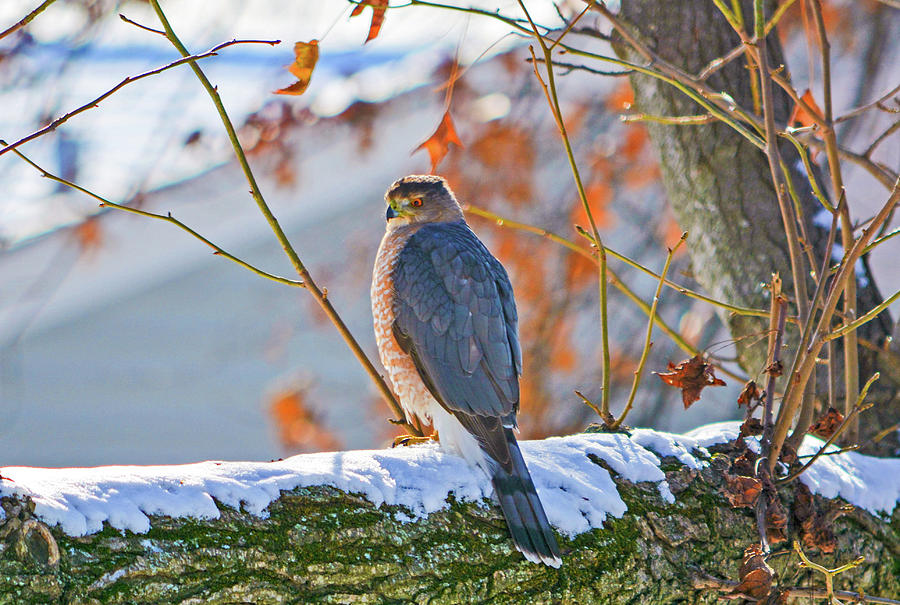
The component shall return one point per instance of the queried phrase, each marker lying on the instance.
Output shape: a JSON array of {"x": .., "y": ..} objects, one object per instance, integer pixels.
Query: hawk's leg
[{"x": 413, "y": 439}]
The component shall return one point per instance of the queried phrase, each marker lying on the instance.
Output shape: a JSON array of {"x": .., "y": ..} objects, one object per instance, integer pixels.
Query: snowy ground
[{"x": 577, "y": 493}]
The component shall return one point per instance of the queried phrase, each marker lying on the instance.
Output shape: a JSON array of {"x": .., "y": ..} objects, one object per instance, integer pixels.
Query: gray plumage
[{"x": 454, "y": 314}]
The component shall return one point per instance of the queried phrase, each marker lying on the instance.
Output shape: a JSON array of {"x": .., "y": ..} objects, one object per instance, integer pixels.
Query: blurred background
[{"x": 124, "y": 340}]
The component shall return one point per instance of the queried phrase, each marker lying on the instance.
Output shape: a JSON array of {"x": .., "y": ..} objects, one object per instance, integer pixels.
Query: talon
[{"x": 407, "y": 440}]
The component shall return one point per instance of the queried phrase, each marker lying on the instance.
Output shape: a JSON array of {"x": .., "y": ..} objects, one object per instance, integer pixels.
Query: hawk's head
[{"x": 421, "y": 199}]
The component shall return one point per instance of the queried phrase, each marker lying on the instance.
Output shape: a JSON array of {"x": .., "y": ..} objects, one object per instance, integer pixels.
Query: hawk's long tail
[{"x": 522, "y": 508}]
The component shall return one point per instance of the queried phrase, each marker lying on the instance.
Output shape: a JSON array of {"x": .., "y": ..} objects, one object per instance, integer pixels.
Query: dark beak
[{"x": 390, "y": 213}]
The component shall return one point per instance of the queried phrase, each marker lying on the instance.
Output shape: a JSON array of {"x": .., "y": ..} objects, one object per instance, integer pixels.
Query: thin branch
[
  {"x": 26, "y": 19},
  {"x": 864, "y": 108},
  {"x": 570, "y": 67},
  {"x": 828, "y": 573},
  {"x": 788, "y": 217},
  {"x": 686, "y": 291},
  {"x": 851, "y": 346},
  {"x": 143, "y": 27},
  {"x": 669, "y": 120},
  {"x": 553, "y": 100},
  {"x": 569, "y": 27},
  {"x": 863, "y": 319},
  {"x": 881, "y": 138},
  {"x": 130, "y": 79},
  {"x": 163, "y": 217},
  {"x": 647, "y": 343},
  {"x": 847, "y": 421},
  {"x": 800, "y": 376},
  {"x": 614, "y": 279},
  {"x": 881, "y": 240},
  {"x": 320, "y": 295}
]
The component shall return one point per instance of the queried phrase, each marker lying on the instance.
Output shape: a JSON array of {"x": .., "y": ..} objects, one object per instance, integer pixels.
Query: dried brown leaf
[
  {"x": 750, "y": 426},
  {"x": 745, "y": 464},
  {"x": 438, "y": 144},
  {"x": 378, "y": 9},
  {"x": 815, "y": 529},
  {"x": 827, "y": 424},
  {"x": 741, "y": 490},
  {"x": 749, "y": 393},
  {"x": 306, "y": 54},
  {"x": 691, "y": 376},
  {"x": 776, "y": 521},
  {"x": 755, "y": 575}
]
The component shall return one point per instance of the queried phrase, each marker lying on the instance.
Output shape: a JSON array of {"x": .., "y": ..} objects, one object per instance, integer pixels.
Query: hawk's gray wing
[{"x": 455, "y": 315}]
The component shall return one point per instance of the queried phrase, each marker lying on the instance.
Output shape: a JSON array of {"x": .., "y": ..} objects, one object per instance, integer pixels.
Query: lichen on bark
[{"x": 321, "y": 545}]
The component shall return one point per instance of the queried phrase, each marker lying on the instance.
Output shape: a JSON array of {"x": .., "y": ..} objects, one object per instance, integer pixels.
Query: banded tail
[{"x": 523, "y": 510}]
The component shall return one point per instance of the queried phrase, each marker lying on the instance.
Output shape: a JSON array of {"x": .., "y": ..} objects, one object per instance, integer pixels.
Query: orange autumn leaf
[
  {"x": 621, "y": 98},
  {"x": 305, "y": 56},
  {"x": 378, "y": 9},
  {"x": 89, "y": 235},
  {"x": 438, "y": 144},
  {"x": 691, "y": 376},
  {"x": 598, "y": 194},
  {"x": 299, "y": 427},
  {"x": 801, "y": 116},
  {"x": 634, "y": 143}
]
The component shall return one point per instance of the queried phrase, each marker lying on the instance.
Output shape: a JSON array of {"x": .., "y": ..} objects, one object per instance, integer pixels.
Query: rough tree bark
[
  {"x": 326, "y": 546},
  {"x": 720, "y": 186}
]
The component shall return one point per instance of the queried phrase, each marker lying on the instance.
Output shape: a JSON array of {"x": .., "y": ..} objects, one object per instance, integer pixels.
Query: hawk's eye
[{"x": 417, "y": 202}]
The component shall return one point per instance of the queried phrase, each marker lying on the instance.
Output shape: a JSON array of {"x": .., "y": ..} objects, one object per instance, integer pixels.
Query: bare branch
[
  {"x": 26, "y": 19},
  {"x": 130, "y": 79}
]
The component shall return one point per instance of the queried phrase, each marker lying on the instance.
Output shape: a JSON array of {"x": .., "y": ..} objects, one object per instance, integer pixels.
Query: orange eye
[{"x": 417, "y": 202}]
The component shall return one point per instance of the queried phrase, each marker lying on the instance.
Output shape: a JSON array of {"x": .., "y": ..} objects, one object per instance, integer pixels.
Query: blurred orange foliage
[{"x": 299, "y": 427}]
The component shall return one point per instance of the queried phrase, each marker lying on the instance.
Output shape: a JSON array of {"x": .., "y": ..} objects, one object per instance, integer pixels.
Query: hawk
[{"x": 446, "y": 327}]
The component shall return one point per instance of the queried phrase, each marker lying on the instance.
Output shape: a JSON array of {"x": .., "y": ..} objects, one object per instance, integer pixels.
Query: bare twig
[
  {"x": 670, "y": 120},
  {"x": 26, "y": 19},
  {"x": 143, "y": 27},
  {"x": 788, "y": 217},
  {"x": 687, "y": 292},
  {"x": 800, "y": 376},
  {"x": 163, "y": 217},
  {"x": 647, "y": 343},
  {"x": 806, "y": 409},
  {"x": 552, "y": 99},
  {"x": 847, "y": 421},
  {"x": 594, "y": 407},
  {"x": 864, "y": 108},
  {"x": 773, "y": 361},
  {"x": 851, "y": 346},
  {"x": 570, "y": 67},
  {"x": 863, "y": 319},
  {"x": 130, "y": 79},
  {"x": 319, "y": 295},
  {"x": 614, "y": 279},
  {"x": 828, "y": 573},
  {"x": 881, "y": 138}
]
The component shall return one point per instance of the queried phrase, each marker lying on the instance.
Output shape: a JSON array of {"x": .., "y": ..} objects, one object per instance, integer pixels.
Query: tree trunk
[
  {"x": 721, "y": 192},
  {"x": 319, "y": 544}
]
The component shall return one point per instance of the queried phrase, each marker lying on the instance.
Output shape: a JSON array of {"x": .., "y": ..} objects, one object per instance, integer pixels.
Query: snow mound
[{"x": 577, "y": 493}]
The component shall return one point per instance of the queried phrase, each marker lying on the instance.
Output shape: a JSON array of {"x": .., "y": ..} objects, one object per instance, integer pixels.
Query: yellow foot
[{"x": 413, "y": 439}]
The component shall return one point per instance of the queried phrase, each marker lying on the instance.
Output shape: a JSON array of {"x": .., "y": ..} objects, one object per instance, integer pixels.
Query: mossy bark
[{"x": 320, "y": 545}]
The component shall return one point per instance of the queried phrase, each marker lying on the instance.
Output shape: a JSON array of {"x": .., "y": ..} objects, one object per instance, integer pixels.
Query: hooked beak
[{"x": 390, "y": 213}]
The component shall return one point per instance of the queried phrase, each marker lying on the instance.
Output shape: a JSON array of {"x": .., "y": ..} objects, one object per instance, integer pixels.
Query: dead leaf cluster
[{"x": 691, "y": 376}]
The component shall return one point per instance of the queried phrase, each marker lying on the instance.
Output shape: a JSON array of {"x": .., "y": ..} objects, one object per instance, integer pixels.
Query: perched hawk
[{"x": 446, "y": 326}]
